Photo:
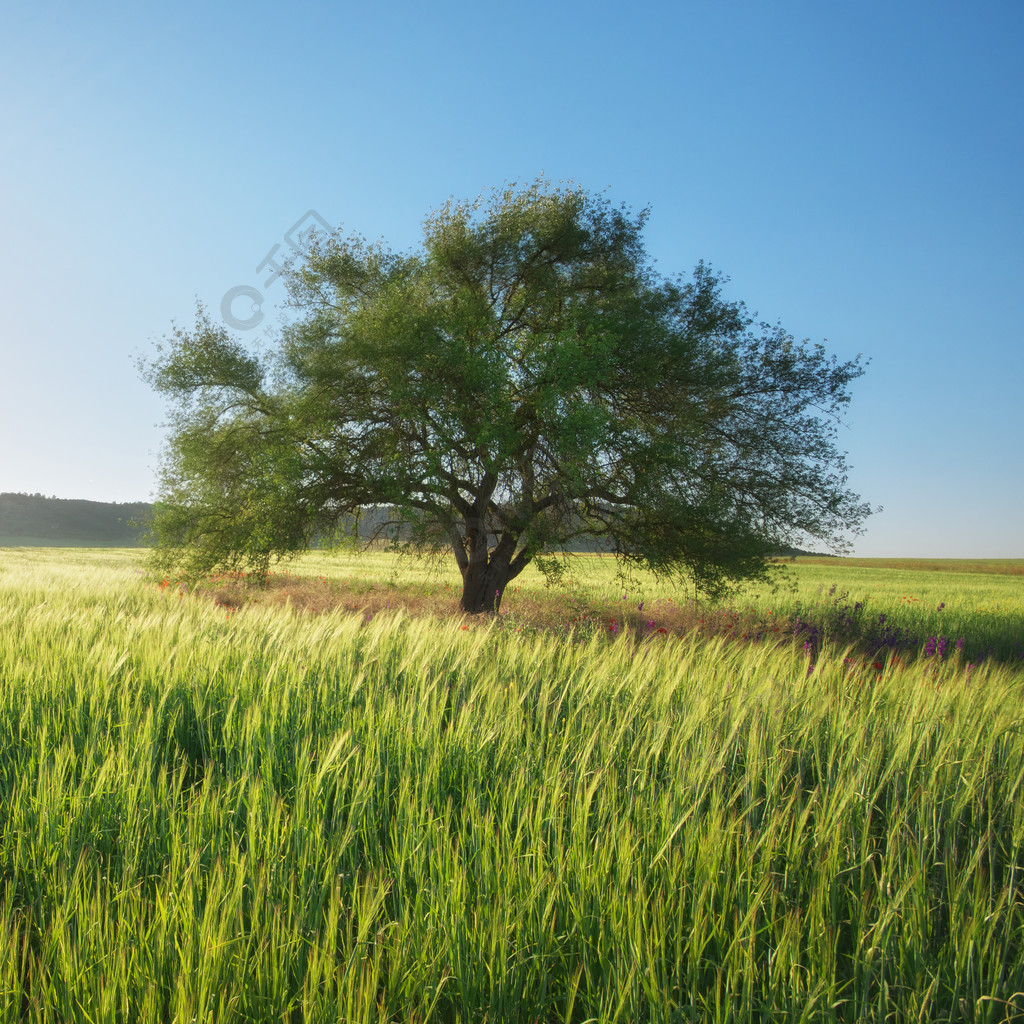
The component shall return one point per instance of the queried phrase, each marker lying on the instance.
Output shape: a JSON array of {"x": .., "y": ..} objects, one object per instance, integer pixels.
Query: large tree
[{"x": 522, "y": 384}]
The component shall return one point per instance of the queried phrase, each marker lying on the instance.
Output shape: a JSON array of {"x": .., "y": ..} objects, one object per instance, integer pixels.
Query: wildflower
[{"x": 941, "y": 606}]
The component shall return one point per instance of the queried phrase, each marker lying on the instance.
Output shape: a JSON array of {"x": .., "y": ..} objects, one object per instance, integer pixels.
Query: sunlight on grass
[{"x": 271, "y": 814}]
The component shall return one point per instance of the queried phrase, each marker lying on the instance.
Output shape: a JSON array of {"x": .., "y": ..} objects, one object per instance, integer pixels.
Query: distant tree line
[{"x": 36, "y": 520}]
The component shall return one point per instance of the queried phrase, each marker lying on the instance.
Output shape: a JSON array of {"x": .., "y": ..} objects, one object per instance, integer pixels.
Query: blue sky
[{"x": 855, "y": 169}]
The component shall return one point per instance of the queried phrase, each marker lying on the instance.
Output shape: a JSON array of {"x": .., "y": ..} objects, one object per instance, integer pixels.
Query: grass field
[{"x": 336, "y": 800}]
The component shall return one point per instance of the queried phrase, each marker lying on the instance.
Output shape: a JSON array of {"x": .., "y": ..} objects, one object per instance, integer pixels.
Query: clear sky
[{"x": 856, "y": 169}]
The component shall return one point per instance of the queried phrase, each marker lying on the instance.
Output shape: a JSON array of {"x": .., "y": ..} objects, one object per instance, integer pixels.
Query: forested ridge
[{"x": 37, "y": 520}]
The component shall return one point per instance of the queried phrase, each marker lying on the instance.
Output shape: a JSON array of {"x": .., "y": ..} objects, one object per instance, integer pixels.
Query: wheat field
[{"x": 218, "y": 809}]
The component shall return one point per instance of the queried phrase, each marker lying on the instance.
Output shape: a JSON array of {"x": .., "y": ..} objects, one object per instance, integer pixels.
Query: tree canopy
[{"x": 523, "y": 382}]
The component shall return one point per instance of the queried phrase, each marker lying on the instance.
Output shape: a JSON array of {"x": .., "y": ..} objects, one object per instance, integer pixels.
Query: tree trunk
[
  {"x": 482, "y": 589},
  {"x": 484, "y": 578}
]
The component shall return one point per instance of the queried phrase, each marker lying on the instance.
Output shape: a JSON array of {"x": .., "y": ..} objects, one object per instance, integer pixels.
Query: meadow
[{"x": 335, "y": 799}]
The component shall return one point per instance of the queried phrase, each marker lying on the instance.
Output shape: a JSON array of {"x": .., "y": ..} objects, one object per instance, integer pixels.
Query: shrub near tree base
[{"x": 524, "y": 381}]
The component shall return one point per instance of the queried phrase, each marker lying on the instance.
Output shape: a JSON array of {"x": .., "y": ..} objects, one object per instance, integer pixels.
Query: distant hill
[
  {"x": 32, "y": 520},
  {"x": 800, "y": 553}
]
